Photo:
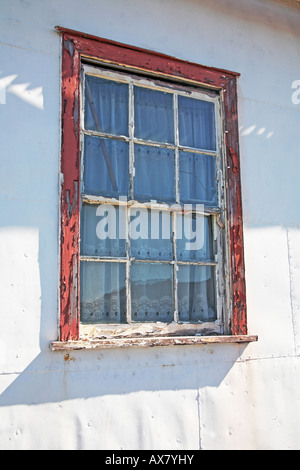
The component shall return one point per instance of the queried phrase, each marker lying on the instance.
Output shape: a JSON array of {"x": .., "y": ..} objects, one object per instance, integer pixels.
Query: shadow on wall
[
  {"x": 55, "y": 377},
  {"x": 32, "y": 96},
  {"x": 29, "y": 195}
]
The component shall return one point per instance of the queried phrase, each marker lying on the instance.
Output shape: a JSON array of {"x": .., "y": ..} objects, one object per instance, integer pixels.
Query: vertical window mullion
[
  {"x": 218, "y": 225},
  {"x": 177, "y": 190},
  {"x": 174, "y": 220},
  {"x": 131, "y": 145},
  {"x": 82, "y": 114},
  {"x": 131, "y": 196},
  {"x": 128, "y": 265},
  {"x": 175, "y": 266}
]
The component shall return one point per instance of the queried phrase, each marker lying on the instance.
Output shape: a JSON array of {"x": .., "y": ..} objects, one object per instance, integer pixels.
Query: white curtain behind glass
[{"x": 103, "y": 284}]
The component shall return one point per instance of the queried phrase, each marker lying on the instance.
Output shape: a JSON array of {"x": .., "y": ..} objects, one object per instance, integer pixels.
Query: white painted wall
[{"x": 208, "y": 397}]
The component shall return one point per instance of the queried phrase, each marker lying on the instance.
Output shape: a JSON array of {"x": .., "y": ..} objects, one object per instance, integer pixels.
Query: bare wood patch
[{"x": 138, "y": 330}]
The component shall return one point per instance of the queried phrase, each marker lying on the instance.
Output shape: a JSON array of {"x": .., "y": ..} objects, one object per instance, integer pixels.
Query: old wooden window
[{"x": 151, "y": 221}]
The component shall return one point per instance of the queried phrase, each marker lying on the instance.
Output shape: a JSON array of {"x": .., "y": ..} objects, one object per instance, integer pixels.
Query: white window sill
[{"x": 149, "y": 342}]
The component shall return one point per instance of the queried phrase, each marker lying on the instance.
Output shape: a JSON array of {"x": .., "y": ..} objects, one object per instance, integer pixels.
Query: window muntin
[
  {"x": 108, "y": 158},
  {"x": 147, "y": 173}
]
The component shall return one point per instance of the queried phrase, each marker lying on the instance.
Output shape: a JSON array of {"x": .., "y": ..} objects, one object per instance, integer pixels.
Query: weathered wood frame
[{"x": 76, "y": 47}]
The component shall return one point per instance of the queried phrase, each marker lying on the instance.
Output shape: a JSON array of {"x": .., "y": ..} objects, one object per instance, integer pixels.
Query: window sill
[{"x": 149, "y": 342}]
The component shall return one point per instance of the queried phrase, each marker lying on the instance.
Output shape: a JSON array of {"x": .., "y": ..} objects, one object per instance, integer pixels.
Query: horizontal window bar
[
  {"x": 122, "y": 260},
  {"x": 208, "y": 210},
  {"x": 150, "y": 143},
  {"x": 197, "y": 263},
  {"x": 135, "y": 260},
  {"x": 189, "y": 263},
  {"x": 103, "y": 259},
  {"x": 105, "y": 135}
]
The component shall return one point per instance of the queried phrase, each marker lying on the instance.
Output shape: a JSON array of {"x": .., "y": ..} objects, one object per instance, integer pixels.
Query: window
[
  {"x": 151, "y": 221},
  {"x": 150, "y": 158}
]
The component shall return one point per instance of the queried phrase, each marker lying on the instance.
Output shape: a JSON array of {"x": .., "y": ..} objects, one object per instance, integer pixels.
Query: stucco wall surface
[{"x": 205, "y": 397}]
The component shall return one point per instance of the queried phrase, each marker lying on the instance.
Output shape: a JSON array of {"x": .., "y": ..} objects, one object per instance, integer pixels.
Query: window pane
[
  {"x": 194, "y": 240},
  {"x": 196, "y": 293},
  {"x": 102, "y": 292},
  {"x": 197, "y": 178},
  {"x": 106, "y": 170},
  {"x": 154, "y": 173},
  {"x": 151, "y": 234},
  {"x": 196, "y": 123},
  {"x": 106, "y": 106},
  {"x": 153, "y": 115},
  {"x": 151, "y": 292},
  {"x": 100, "y": 231}
]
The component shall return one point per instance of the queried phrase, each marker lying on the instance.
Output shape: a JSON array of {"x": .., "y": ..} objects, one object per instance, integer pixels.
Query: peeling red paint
[
  {"x": 239, "y": 315},
  {"x": 78, "y": 45},
  {"x": 70, "y": 157}
]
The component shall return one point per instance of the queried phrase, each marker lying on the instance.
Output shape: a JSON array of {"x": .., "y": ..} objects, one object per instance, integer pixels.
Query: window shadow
[{"x": 56, "y": 376}]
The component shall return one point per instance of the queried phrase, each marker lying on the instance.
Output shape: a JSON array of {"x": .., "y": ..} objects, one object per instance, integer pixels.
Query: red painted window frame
[{"x": 75, "y": 46}]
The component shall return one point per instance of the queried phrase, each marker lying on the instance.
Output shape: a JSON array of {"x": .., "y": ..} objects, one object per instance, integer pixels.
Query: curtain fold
[
  {"x": 100, "y": 231},
  {"x": 196, "y": 298},
  {"x": 196, "y": 123},
  {"x": 153, "y": 115},
  {"x": 194, "y": 238},
  {"x": 151, "y": 234},
  {"x": 103, "y": 292},
  {"x": 109, "y": 101},
  {"x": 154, "y": 173},
  {"x": 97, "y": 178},
  {"x": 152, "y": 292}
]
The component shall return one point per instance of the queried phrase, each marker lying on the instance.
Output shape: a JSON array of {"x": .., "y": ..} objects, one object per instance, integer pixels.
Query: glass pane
[
  {"x": 100, "y": 230},
  {"x": 194, "y": 240},
  {"x": 102, "y": 292},
  {"x": 106, "y": 171},
  {"x": 154, "y": 173},
  {"x": 151, "y": 234},
  {"x": 196, "y": 293},
  {"x": 197, "y": 178},
  {"x": 106, "y": 106},
  {"x": 196, "y": 123},
  {"x": 153, "y": 115},
  {"x": 151, "y": 292}
]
